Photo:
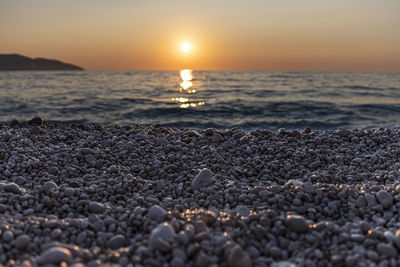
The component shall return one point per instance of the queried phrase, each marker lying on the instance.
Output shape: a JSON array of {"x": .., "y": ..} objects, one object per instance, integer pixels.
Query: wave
[{"x": 361, "y": 87}]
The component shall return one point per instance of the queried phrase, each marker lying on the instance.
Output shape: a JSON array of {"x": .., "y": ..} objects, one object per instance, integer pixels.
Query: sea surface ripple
[{"x": 218, "y": 99}]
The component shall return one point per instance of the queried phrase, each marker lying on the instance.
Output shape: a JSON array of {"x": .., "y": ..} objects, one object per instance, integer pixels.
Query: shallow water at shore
[{"x": 219, "y": 99}]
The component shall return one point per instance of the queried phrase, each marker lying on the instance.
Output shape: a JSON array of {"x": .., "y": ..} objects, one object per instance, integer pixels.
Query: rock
[
  {"x": 13, "y": 188},
  {"x": 50, "y": 186},
  {"x": 237, "y": 257},
  {"x": 81, "y": 237},
  {"x": 8, "y": 236},
  {"x": 387, "y": 250},
  {"x": 156, "y": 213},
  {"x": 296, "y": 223},
  {"x": 86, "y": 150},
  {"x": 217, "y": 138},
  {"x": 35, "y": 121},
  {"x": 283, "y": 264},
  {"x": 243, "y": 210},
  {"x": 361, "y": 202},
  {"x": 164, "y": 232},
  {"x": 35, "y": 130},
  {"x": 384, "y": 198},
  {"x": 177, "y": 262},
  {"x": 96, "y": 207},
  {"x": 397, "y": 239},
  {"x": 55, "y": 255},
  {"x": 52, "y": 170},
  {"x": 308, "y": 187},
  {"x": 116, "y": 242},
  {"x": 357, "y": 237},
  {"x": 90, "y": 159},
  {"x": 204, "y": 178},
  {"x": 22, "y": 241}
]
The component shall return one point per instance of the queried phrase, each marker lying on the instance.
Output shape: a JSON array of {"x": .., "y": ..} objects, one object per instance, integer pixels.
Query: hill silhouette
[{"x": 19, "y": 62}]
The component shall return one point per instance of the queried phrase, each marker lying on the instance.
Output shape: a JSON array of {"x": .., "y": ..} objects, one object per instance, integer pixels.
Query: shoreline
[{"x": 151, "y": 195}]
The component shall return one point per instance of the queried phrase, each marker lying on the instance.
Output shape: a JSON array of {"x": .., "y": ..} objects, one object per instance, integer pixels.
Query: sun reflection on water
[
  {"x": 186, "y": 76},
  {"x": 185, "y": 87}
]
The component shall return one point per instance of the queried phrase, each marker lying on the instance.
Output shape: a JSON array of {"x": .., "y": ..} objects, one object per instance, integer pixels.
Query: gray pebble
[
  {"x": 296, "y": 223},
  {"x": 237, "y": 257},
  {"x": 55, "y": 255},
  {"x": 89, "y": 158},
  {"x": 8, "y": 236},
  {"x": 13, "y": 188},
  {"x": 164, "y": 232},
  {"x": 384, "y": 198},
  {"x": 22, "y": 241},
  {"x": 96, "y": 207},
  {"x": 116, "y": 242},
  {"x": 387, "y": 250},
  {"x": 50, "y": 186},
  {"x": 397, "y": 239},
  {"x": 157, "y": 213},
  {"x": 203, "y": 178},
  {"x": 52, "y": 170}
]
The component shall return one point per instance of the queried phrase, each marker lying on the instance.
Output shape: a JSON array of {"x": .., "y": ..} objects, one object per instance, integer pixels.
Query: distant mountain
[{"x": 18, "y": 62}]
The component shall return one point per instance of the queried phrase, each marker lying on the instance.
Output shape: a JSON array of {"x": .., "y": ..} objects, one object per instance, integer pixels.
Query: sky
[{"x": 280, "y": 35}]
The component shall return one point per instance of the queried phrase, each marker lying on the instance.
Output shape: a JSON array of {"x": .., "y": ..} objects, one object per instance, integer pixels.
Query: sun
[{"x": 185, "y": 47}]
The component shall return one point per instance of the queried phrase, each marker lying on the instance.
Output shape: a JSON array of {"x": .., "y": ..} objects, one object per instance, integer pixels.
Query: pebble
[
  {"x": 283, "y": 264},
  {"x": 35, "y": 130},
  {"x": 89, "y": 158},
  {"x": 52, "y": 170},
  {"x": 22, "y": 241},
  {"x": 162, "y": 232},
  {"x": 157, "y": 213},
  {"x": 397, "y": 239},
  {"x": 8, "y": 236},
  {"x": 387, "y": 250},
  {"x": 203, "y": 178},
  {"x": 49, "y": 187},
  {"x": 55, "y": 255},
  {"x": 384, "y": 198},
  {"x": 35, "y": 121},
  {"x": 116, "y": 242},
  {"x": 237, "y": 257},
  {"x": 296, "y": 223},
  {"x": 96, "y": 207},
  {"x": 91, "y": 196},
  {"x": 13, "y": 188}
]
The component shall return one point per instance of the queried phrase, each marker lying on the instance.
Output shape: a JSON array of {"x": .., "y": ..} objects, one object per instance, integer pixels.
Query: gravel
[{"x": 89, "y": 195}]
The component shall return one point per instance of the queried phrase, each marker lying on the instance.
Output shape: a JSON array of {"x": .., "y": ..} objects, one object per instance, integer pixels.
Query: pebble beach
[{"x": 88, "y": 195}]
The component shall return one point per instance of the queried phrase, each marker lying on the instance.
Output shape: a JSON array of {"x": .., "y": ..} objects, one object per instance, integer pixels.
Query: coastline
[{"x": 150, "y": 195}]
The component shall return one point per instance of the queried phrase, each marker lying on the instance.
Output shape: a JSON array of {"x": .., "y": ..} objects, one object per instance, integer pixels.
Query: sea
[{"x": 204, "y": 99}]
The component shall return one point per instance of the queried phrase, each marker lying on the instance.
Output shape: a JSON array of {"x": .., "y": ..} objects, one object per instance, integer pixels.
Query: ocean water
[{"x": 203, "y": 99}]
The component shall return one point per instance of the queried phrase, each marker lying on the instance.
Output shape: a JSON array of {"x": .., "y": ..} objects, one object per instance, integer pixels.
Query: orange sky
[{"x": 352, "y": 35}]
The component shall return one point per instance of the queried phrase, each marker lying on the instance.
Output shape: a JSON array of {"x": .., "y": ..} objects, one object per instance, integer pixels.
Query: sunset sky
[{"x": 315, "y": 35}]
